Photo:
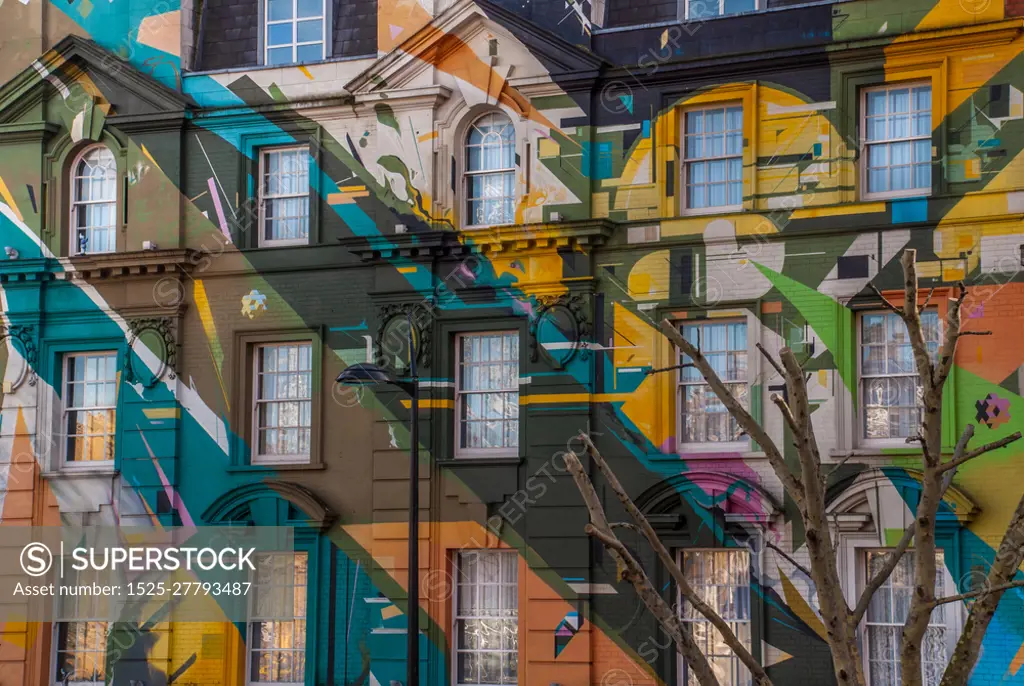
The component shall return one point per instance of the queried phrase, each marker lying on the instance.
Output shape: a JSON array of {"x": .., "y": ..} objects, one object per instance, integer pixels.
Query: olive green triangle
[{"x": 832, "y": 322}]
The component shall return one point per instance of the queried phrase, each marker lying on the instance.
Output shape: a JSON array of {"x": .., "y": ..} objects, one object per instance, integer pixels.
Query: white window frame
[
  {"x": 251, "y": 618},
  {"x": 742, "y": 445},
  {"x": 67, "y": 463},
  {"x": 466, "y": 174},
  {"x": 74, "y": 204},
  {"x": 294, "y": 45},
  {"x": 56, "y": 678},
  {"x": 61, "y": 614},
  {"x": 721, "y": 10},
  {"x": 457, "y": 616},
  {"x": 680, "y": 604},
  {"x": 862, "y": 122},
  {"x": 860, "y": 431},
  {"x": 953, "y": 612},
  {"x": 684, "y": 161},
  {"x": 262, "y": 199},
  {"x": 459, "y": 395},
  {"x": 260, "y": 458}
]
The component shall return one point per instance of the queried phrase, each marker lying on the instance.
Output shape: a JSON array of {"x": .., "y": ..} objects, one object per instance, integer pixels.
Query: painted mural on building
[{"x": 210, "y": 208}]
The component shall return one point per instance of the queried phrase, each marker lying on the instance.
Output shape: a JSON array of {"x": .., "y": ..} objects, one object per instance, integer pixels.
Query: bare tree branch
[
  {"x": 630, "y": 570},
  {"x": 886, "y": 303},
  {"x": 806, "y": 572},
  {"x": 927, "y": 301},
  {"x": 743, "y": 417},
  {"x": 787, "y": 414},
  {"x": 894, "y": 556},
  {"x": 978, "y": 452},
  {"x": 951, "y": 335},
  {"x": 1018, "y": 583},
  {"x": 644, "y": 526},
  {"x": 771, "y": 360},
  {"x": 837, "y": 465},
  {"x": 884, "y": 572}
]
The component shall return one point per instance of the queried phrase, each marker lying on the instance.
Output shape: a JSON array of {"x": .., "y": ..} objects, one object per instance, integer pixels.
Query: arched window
[
  {"x": 94, "y": 201},
  {"x": 490, "y": 171}
]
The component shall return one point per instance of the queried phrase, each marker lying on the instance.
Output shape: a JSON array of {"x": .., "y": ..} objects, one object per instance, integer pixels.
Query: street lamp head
[{"x": 364, "y": 374}]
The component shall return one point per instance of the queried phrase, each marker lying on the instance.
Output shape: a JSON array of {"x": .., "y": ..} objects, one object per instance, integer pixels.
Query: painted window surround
[
  {"x": 58, "y": 161},
  {"x": 462, "y": 395},
  {"x": 246, "y": 227},
  {"x": 862, "y": 513},
  {"x": 263, "y": 199},
  {"x": 244, "y": 350},
  {"x": 854, "y": 80},
  {"x": 668, "y": 383},
  {"x": 51, "y": 407},
  {"x": 449, "y": 145},
  {"x": 443, "y": 603},
  {"x": 846, "y": 426},
  {"x": 669, "y": 152},
  {"x": 742, "y": 445},
  {"x": 863, "y": 166},
  {"x": 444, "y": 436},
  {"x": 308, "y": 538}
]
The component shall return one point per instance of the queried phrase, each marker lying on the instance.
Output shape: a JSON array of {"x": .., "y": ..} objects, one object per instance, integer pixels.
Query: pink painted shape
[
  {"x": 220, "y": 208},
  {"x": 172, "y": 494}
]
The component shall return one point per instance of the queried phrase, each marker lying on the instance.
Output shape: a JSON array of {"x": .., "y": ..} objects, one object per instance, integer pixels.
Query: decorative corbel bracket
[
  {"x": 23, "y": 337},
  {"x": 154, "y": 332},
  {"x": 420, "y": 314},
  {"x": 568, "y": 315}
]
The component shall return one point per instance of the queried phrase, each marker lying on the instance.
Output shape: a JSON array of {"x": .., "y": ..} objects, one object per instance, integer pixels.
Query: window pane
[
  {"x": 310, "y": 53},
  {"x": 885, "y": 617},
  {"x": 279, "y": 34},
  {"x": 901, "y": 116},
  {"x": 277, "y": 619},
  {"x": 283, "y": 416},
  {"x": 279, "y": 9},
  {"x": 486, "y": 613},
  {"x": 722, "y": 579},
  {"x": 704, "y": 418},
  {"x": 279, "y": 56},
  {"x": 310, "y": 8},
  {"x": 488, "y": 390}
]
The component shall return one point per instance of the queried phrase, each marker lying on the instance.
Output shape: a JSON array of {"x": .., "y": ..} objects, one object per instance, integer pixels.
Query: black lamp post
[{"x": 365, "y": 374}]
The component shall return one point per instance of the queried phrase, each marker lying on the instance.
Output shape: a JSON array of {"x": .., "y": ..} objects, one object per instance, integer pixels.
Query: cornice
[
  {"x": 751, "y": 65},
  {"x": 119, "y": 265},
  {"x": 517, "y": 238},
  {"x": 161, "y": 121},
  {"x": 20, "y": 132},
  {"x": 401, "y": 99}
]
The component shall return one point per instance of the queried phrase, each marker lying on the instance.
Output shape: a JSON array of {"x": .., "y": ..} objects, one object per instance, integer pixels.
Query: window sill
[
  {"x": 705, "y": 211},
  {"x": 277, "y": 467},
  {"x": 255, "y": 67},
  {"x": 479, "y": 460},
  {"x": 917, "y": 194},
  {"x": 107, "y": 470},
  {"x": 723, "y": 453},
  {"x": 877, "y": 451}
]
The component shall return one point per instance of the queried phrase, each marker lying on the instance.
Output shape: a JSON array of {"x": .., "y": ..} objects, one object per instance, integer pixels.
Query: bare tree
[{"x": 807, "y": 488}]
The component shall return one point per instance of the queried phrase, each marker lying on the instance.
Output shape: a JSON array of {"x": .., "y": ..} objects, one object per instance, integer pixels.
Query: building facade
[{"x": 210, "y": 208}]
